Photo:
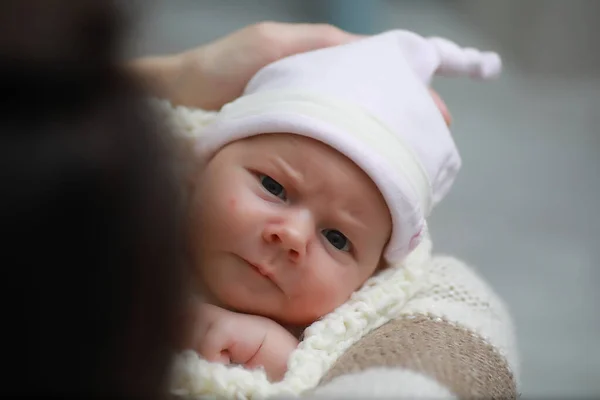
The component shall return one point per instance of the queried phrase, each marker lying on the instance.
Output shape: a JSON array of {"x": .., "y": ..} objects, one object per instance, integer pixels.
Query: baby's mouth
[{"x": 263, "y": 271}]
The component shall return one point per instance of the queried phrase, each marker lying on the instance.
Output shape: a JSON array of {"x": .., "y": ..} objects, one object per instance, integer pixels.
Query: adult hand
[
  {"x": 442, "y": 106},
  {"x": 212, "y": 75}
]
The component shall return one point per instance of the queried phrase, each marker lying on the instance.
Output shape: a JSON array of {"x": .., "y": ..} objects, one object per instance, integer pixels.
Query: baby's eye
[
  {"x": 272, "y": 186},
  {"x": 337, "y": 239}
]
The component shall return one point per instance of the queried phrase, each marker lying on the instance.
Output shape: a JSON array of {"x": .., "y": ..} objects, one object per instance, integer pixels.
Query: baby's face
[{"x": 286, "y": 227}]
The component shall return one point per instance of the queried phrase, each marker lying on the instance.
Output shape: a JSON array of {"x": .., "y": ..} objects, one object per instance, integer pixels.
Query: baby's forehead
[
  {"x": 307, "y": 158},
  {"x": 298, "y": 149},
  {"x": 322, "y": 172},
  {"x": 282, "y": 139}
]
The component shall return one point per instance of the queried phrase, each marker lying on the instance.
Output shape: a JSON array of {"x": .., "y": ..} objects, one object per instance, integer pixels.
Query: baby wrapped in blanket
[{"x": 318, "y": 179}]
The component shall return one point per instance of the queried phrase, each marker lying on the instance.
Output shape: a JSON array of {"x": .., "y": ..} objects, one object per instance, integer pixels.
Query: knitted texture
[
  {"x": 452, "y": 356},
  {"x": 457, "y": 294},
  {"x": 184, "y": 122},
  {"x": 383, "y": 382},
  {"x": 379, "y": 300},
  {"x": 455, "y": 330},
  {"x": 452, "y": 329}
]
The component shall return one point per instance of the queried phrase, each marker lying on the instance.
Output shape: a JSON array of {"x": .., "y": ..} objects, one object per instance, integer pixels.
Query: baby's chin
[
  {"x": 282, "y": 312},
  {"x": 295, "y": 319},
  {"x": 294, "y": 311}
]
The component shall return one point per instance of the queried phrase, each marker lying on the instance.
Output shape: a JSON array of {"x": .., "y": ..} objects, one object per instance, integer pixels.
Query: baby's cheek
[
  {"x": 324, "y": 297},
  {"x": 232, "y": 204}
]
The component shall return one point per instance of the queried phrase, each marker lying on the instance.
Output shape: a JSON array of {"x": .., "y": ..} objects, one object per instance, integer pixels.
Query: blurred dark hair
[{"x": 90, "y": 209}]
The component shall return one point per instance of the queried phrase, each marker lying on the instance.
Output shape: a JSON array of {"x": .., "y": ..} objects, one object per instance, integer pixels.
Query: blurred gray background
[{"x": 523, "y": 211}]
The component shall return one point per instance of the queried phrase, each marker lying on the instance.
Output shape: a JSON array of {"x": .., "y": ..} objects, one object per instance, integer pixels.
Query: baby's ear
[{"x": 383, "y": 264}]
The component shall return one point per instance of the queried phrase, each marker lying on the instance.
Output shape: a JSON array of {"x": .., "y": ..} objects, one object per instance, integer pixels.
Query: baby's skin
[
  {"x": 249, "y": 340},
  {"x": 295, "y": 228}
]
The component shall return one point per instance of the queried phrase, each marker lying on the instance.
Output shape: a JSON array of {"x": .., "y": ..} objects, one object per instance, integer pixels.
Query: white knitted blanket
[
  {"x": 452, "y": 293},
  {"x": 377, "y": 302}
]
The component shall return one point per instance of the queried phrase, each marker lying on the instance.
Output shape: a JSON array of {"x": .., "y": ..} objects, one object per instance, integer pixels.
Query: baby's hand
[{"x": 248, "y": 340}]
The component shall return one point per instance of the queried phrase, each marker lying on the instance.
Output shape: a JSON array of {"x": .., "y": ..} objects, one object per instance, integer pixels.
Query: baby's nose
[{"x": 292, "y": 235}]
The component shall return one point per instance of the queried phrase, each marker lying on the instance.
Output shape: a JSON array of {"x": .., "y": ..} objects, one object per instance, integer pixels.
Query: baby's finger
[
  {"x": 214, "y": 346},
  {"x": 223, "y": 358}
]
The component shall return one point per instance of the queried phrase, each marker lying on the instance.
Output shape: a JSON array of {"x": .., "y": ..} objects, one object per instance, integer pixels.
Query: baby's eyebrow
[
  {"x": 295, "y": 177},
  {"x": 350, "y": 218}
]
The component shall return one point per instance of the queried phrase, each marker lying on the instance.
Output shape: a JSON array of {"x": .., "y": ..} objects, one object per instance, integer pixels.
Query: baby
[{"x": 320, "y": 174}]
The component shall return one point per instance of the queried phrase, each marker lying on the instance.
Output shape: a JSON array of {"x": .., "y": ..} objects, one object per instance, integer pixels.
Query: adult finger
[
  {"x": 302, "y": 37},
  {"x": 441, "y": 106}
]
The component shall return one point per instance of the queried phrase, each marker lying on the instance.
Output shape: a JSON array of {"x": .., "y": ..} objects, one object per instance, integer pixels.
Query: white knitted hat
[{"x": 370, "y": 101}]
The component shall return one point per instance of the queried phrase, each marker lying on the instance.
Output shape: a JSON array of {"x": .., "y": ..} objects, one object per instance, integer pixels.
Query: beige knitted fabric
[
  {"x": 452, "y": 336},
  {"x": 383, "y": 383},
  {"x": 455, "y": 330},
  {"x": 450, "y": 354}
]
